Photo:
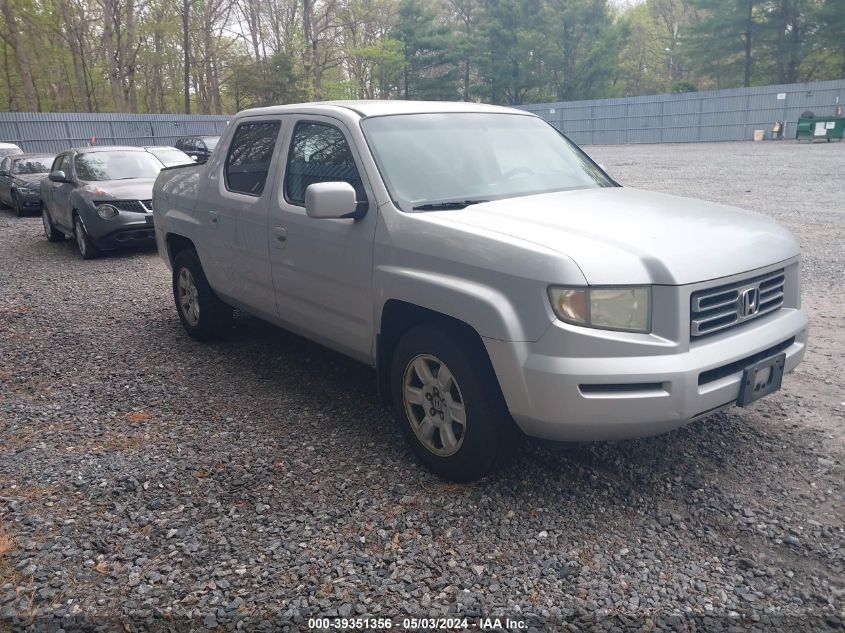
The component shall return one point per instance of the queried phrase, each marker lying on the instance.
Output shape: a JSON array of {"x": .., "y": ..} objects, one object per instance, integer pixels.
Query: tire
[
  {"x": 83, "y": 242},
  {"x": 488, "y": 436},
  {"x": 203, "y": 315},
  {"x": 50, "y": 231},
  {"x": 16, "y": 205}
]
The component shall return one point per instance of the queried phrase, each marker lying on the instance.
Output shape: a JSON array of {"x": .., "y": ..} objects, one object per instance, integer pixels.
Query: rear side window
[
  {"x": 249, "y": 157},
  {"x": 319, "y": 153}
]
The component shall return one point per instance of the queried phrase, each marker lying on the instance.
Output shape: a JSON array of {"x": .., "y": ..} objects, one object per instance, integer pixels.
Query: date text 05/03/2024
[{"x": 417, "y": 624}]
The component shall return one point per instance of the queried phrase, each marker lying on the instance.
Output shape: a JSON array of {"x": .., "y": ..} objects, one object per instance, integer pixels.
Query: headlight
[
  {"x": 107, "y": 211},
  {"x": 624, "y": 308},
  {"x": 26, "y": 191}
]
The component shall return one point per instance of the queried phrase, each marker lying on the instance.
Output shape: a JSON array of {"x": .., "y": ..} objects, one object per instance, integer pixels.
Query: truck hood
[
  {"x": 618, "y": 235},
  {"x": 133, "y": 189}
]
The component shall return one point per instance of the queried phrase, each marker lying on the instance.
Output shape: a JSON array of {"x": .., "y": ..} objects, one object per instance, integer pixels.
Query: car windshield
[
  {"x": 455, "y": 159},
  {"x": 32, "y": 165},
  {"x": 116, "y": 165},
  {"x": 211, "y": 141},
  {"x": 171, "y": 156}
]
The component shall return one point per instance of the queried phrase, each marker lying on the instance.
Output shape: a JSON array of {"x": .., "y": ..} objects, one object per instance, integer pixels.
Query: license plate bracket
[{"x": 761, "y": 379}]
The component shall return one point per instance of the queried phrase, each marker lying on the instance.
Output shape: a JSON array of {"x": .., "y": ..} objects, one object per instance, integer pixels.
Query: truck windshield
[{"x": 436, "y": 161}]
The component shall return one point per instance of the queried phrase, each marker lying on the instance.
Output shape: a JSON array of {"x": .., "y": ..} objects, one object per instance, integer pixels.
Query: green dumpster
[{"x": 820, "y": 128}]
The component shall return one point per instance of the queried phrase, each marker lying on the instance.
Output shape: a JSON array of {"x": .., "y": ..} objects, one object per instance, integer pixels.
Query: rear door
[
  {"x": 243, "y": 180},
  {"x": 323, "y": 269}
]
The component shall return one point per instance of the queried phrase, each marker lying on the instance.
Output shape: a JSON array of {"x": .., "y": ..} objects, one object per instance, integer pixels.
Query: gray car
[
  {"x": 102, "y": 197},
  {"x": 20, "y": 181}
]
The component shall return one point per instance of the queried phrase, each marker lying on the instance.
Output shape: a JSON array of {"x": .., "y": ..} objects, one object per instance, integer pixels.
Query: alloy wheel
[
  {"x": 80, "y": 238},
  {"x": 188, "y": 297},
  {"x": 434, "y": 405}
]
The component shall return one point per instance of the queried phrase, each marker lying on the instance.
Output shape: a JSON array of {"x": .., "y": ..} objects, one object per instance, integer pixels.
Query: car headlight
[
  {"x": 26, "y": 191},
  {"x": 107, "y": 211},
  {"x": 623, "y": 308}
]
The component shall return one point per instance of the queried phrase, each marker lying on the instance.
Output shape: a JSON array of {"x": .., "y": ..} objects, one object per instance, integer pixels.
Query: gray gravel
[{"x": 151, "y": 482}]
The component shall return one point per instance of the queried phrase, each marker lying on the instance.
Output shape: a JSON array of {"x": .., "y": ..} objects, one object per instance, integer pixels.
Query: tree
[
  {"x": 428, "y": 71},
  {"x": 723, "y": 40},
  {"x": 584, "y": 49}
]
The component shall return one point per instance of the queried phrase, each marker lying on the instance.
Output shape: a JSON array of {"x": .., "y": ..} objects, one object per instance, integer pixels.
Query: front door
[
  {"x": 323, "y": 269},
  {"x": 6, "y": 181},
  {"x": 60, "y": 206}
]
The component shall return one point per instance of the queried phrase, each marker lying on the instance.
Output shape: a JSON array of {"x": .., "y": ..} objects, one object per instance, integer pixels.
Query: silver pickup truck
[{"x": 500, "y": 282}]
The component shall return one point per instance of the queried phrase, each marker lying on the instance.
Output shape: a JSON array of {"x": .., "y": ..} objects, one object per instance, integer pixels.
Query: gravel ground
[{"x": 151, "y": 482}]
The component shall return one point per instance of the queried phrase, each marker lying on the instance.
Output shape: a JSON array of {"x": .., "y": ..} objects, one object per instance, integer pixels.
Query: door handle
[{"x": 281, "y": 235}]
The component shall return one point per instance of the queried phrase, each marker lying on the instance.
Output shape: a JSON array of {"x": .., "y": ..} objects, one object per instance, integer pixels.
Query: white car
[
  {"x": 496, "y": 278},
  {"x": 9, "y": 149},
  {"x": 169, "y": 156}
]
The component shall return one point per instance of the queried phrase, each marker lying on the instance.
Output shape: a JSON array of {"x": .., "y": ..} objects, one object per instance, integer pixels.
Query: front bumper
[
  {"x": 29, "y": 202},
  {"x": 600, "y": 398},
  {"x": 124, "y": 230}
]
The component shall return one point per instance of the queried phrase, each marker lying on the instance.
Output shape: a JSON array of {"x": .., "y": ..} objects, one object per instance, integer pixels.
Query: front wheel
[
  {"x": 50, "y": 231},
  {"x": 204, "y": 316},
  {"x": 448, "y": 403},
  {"x": 83, "y": 241},
  {"x": 16, "y": 205}
]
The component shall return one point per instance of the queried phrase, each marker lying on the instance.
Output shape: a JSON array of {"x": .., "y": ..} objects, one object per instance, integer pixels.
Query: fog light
[{"x": 107, "y": 211}]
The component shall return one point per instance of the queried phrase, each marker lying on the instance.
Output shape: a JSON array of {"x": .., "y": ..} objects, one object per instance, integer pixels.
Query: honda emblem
[{"x": 749, "y": 302}]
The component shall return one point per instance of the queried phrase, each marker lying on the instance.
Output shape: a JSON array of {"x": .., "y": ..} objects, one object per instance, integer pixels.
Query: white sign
[
  {"x": 830, "y": 125},
  {"x": 821, "y": 129},
  {"x": 552, "y": 111},
  {"x": 781, "y": 96}
]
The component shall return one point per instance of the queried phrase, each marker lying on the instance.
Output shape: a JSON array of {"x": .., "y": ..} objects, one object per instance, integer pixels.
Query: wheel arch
[
  {"x": 399, "y": 317},
  {"x": 177, "y": 243}
]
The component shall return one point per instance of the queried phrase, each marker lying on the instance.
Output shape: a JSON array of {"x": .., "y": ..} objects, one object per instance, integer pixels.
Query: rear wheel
[
  {"x": 83, "y": 242},
  {"x": 448, "y": 403},
  {"x": 204, "y": 316},
  {"x": 50, "y": 231}
]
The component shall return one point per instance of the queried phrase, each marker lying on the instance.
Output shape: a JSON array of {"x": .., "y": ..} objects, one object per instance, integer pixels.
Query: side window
[
  {"x": 57, "y": 163},
  {"x": 63, "y": 164},
  {"x": 249, "y": 157},
  {"x": 319, "y": 153},
  {"x": 6, "y": 165}
]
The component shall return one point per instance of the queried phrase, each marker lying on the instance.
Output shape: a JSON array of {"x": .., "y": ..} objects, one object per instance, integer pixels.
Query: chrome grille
[
  {"x": 136, "y": 206},
  {"x": 716, "y": 309}
]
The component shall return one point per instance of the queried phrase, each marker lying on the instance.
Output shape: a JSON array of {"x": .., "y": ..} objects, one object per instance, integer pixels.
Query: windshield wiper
[{"x": 447, "y": 206}]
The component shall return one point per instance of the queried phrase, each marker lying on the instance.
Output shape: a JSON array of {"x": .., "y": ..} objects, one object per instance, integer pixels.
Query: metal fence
[
  {"x": 54, "y": 132},
  {"x": 718, "y": 115}
]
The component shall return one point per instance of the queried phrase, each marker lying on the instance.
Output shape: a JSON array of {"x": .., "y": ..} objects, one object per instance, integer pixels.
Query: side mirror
[
  {"x": 328, "y": 200},
  {"x": 58, "y": 176}
]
